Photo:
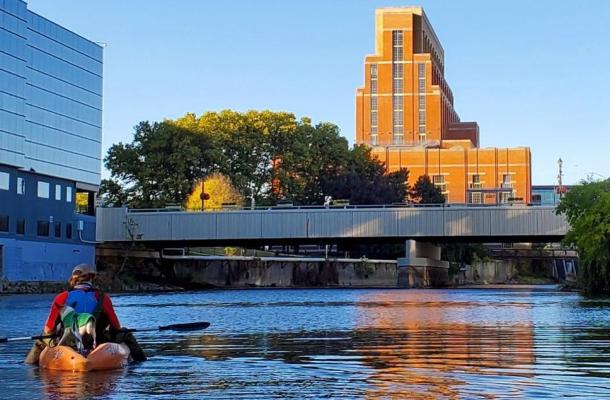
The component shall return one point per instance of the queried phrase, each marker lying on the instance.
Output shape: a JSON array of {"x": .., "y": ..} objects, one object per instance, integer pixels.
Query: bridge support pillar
[{"x": 422, "y": 266}]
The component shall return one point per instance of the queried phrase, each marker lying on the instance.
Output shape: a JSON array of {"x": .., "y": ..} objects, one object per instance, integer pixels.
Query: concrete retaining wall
[{"x": 286, "y": 273}]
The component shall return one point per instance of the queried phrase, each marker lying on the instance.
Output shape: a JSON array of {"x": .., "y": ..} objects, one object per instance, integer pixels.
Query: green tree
[
  {"x": 312, "y": 156},
  {"x": 425, "y": 192},
  {"x": 159, "y": 167},
  {"x": 248, "y": 144},
  {"x": 362, "y": 180},
  {"x": 587, "y": 209}
]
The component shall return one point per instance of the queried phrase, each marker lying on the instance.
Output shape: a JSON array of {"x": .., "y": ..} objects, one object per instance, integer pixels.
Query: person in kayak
[{"x": 88, "y": 302}]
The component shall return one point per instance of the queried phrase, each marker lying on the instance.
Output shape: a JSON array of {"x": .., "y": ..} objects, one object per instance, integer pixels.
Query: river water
[{"x": 511, "y": 343}]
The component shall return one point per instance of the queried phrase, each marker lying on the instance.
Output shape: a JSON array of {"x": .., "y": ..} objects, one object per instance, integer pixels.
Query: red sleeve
[
  {"x": 109, "y": 311},
  {"x": 58, "y": 303}
]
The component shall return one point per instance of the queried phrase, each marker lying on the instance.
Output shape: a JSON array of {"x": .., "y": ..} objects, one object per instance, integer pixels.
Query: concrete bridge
[{"x": 438, "y": 224}]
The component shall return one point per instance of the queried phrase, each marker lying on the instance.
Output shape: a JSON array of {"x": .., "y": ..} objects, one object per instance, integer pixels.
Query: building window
[
  {"x": 421, "y": 77},
  {"x": 476, "y": 182},
  {"x": 398, "y": 74},
  {"x": 43, "y": 228},
  {"x": 397, "y": 45},
  {"x": 20, "y": 226},
  {"x": 69, "y": 230},
  {"x": 374, "y": 104},
  {"x": 439, "y": 182},
  {"x": 4, "y": 180},
  {"x": 3, "y": 223},
  {"x": 69, "y": 194},
  {"x": 43, "y": 190},
  {"x": 58, "y": 229},
  {"x": 57, "y": 192},
  {"x": 397, "y": 87},
  {"x": 20, "y": 185},
  {"x": 476, "y": 197},
  {"x": 504, "y": 196},
  {"x": 397, "y": 120},
  {"x": 506, "y": 181}
]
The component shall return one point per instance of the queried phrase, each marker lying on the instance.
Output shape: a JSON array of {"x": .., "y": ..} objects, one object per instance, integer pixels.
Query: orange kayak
[{"x": 103, "y": 357}]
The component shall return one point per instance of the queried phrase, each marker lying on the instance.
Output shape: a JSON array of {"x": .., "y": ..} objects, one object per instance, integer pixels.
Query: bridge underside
[{"x": 255, "y": 243}]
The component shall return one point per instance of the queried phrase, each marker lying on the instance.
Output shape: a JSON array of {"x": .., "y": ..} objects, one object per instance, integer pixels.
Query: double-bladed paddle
[{"x": 189, "y": 326}]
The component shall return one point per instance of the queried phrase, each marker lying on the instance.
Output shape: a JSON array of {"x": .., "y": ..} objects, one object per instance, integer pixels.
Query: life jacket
[{"x": 82, "y": 301}]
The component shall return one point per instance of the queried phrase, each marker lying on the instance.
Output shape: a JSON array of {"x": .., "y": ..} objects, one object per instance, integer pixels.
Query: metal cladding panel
[
  {"x": 470, "y": 222},
  {"x": 238, "y": 225},
  {"x": 151, "y": 226},
  {"x": 415, "y": 222},
  {"x": 378, "y": 223},
  {"x": 330, "y": 223},
  {"x": 284, "y": 224},
  {"x": 194, "y": 226},
  {"x": 515, "y": 222},
  {"x": 554, "y": 224},
  {"x": 110, "y": 224}
]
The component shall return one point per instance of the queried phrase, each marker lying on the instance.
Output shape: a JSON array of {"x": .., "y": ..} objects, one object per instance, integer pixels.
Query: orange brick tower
[{"x": 405, "y": 112}]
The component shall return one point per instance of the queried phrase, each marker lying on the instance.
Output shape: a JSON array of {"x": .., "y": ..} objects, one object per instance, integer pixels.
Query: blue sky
[{"x": 530, "y": 73}]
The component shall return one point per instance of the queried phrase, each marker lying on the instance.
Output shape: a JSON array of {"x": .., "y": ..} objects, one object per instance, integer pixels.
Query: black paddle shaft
[{"x": 191, "y": 326}]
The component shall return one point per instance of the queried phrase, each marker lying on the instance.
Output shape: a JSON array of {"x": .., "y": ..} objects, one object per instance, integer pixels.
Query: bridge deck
[{"x": 484, "y": 224}]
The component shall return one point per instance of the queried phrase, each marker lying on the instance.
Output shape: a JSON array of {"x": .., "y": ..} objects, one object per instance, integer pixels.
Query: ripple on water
[{"x": 340, "y": 344}]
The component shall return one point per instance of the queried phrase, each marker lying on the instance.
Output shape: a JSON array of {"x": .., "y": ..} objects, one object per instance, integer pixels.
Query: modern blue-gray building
[
  {"x": 50, "y": 145},
  {"x": 547, "y": 195}
]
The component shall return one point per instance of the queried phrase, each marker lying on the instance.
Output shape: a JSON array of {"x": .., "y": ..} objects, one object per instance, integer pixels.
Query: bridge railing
[{"x": 333, "y": 206}]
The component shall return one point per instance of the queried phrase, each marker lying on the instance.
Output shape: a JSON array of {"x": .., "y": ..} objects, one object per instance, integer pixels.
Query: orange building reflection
[{"x": 422, "y": 345}]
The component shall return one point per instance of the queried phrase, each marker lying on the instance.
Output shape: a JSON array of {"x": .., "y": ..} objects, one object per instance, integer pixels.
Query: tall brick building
[{"x": 405, "y": 112}]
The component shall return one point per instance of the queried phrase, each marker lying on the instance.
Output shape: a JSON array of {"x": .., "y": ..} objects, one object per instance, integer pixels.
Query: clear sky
[{"x": 531, "y": 73}]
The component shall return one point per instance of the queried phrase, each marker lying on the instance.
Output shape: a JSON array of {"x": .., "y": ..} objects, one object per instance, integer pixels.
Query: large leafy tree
[
  {"x": 159, "y": 167},
  {"x": 248, "y": 145},
  {"x": 362, "y": 180},
  {"x": 265, "y": 155},
  {"x": 312, "y": 156},
  {"x": 587, "y": 209},
  {"x": 425, "y": 192}
]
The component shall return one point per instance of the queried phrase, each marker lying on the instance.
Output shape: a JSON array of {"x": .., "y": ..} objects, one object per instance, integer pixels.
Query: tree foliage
[
  {"x": 159, "y": 167},
  {"x": 363, "y": 180},
  {"x": 587, "y": 209},
  {"x": 220, "y": 190},
  {"x": 266, "y": 156},
  {"x": 425, "y": 192},
  {"x": 247, "y": 143}
]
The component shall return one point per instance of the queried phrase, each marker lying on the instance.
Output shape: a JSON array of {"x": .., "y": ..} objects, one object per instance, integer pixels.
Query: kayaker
[{"x": 84, "y": 298}]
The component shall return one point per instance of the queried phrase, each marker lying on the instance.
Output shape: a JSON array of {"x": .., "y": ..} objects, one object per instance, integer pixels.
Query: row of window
[
  {"x": 373, "y": 82},
  {"x": 42, "y": 227},
  {"x": 421, "y": 77},
  {"x": 44, "y": 188},
  {"x": 44, "y": 191},
  {"x": 477, "y": 197},
  {"x": 397, "y": 87}
]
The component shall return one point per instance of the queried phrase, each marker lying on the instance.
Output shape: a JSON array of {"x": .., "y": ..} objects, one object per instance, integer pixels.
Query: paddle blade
[{"x": 192, "y": 326}]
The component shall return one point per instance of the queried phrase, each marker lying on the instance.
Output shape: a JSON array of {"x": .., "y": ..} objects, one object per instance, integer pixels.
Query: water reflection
[
  {"x": 60, "y": 385},
  {"x": 351, "y": 344}
]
